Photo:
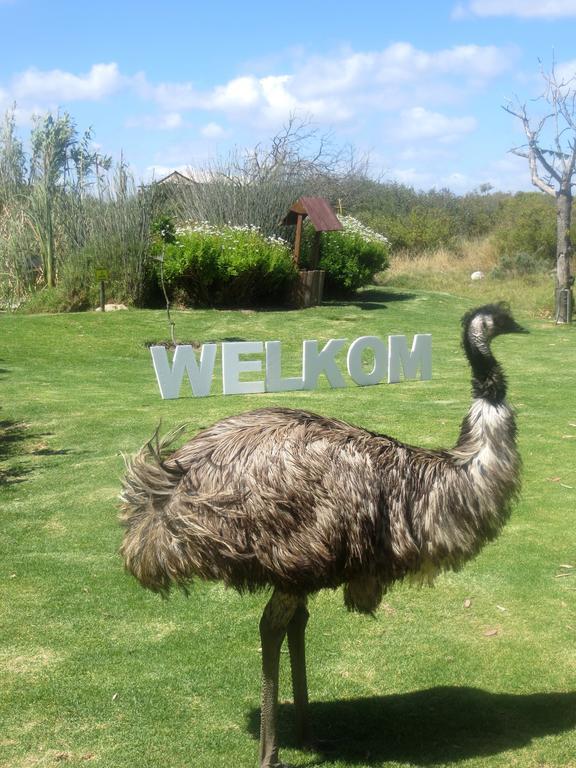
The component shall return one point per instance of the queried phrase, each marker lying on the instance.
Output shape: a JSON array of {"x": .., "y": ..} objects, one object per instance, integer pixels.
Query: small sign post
[{"x": 102, "y": 275}]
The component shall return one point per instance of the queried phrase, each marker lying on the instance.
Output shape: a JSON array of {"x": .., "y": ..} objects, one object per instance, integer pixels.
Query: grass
[{"x": 479, "y": 671}]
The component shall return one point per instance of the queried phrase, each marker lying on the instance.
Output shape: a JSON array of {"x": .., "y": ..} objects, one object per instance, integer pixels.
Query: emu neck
[
  {"x": 489, "y": 427},
  {"x": 488, "y": 381}
]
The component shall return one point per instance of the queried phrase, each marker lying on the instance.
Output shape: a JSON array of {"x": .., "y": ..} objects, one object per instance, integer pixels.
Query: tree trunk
[{"x": 564, "y": 299}]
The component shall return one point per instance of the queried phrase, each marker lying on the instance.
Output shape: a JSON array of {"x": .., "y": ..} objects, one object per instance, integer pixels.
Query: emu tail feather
[{"x": 149, "y": 547}]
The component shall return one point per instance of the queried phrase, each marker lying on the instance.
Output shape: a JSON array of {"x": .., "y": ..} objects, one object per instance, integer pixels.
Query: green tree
[
  {"x": 12, "y": 160},
  {"x": 60, "y": 162}
]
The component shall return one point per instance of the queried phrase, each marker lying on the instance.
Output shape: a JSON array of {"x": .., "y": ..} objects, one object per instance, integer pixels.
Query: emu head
[{"x": 483, "y": 324}]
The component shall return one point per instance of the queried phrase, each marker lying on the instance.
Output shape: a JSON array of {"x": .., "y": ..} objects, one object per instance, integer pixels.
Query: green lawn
[{"x": 479, "y": 671}]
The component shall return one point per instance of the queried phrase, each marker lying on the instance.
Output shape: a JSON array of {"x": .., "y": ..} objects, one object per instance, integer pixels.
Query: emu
[{"x": 298, "y": 502}]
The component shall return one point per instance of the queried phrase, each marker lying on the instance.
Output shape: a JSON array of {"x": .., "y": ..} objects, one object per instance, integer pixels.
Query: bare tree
[
  {"x": 258, "y": 185},
  {"x": 551, "y": 153}
]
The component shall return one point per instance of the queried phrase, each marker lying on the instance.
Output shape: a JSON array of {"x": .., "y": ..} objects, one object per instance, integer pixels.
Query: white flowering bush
[
  {"x": 350, "y": 256},
  {"x": 353, "y": 226},
  {"x": 206, "y": 265}
]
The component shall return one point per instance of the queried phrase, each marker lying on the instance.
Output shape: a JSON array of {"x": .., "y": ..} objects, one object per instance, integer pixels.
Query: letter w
[{"x": 170, "y": 378}]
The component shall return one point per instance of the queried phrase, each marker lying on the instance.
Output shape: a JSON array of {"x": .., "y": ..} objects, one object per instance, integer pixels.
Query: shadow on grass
[
  {"x": 438, "y": 725},
  {"x": 373, "y": 298},
  {"x": 14, "y": 446},
  {"x": 12, "y": 435},
  {"x": 194, "y": 344}
]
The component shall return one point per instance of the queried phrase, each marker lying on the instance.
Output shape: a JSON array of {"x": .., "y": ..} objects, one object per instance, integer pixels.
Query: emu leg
[
  {"x": 297, "y": 647},
  {"x": 273, "y": 626}
]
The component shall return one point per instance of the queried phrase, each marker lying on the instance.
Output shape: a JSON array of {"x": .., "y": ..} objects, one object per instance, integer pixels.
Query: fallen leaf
[
  {"x": 467, "y": 603},
  {"x": 564, "y": 565},
  {"x": 501, "y": 608},
  {"x": 491, "y": 633}
]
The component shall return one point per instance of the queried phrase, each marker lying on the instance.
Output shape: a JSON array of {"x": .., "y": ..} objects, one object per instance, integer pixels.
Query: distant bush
[
  {"x": 422, "y": 229},
  {"x": 420, "y": 222},
  {"x": 526, "y": 231},
  {"x": 59, "y": 298},
  {"x": 519, "y": 264},
  {"x": 227, "y": 266},
  {"x": 351, "y": 257}
]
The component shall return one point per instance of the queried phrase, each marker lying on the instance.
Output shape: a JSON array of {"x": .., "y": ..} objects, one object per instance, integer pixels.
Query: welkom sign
[{"x": 256, "y": 366}]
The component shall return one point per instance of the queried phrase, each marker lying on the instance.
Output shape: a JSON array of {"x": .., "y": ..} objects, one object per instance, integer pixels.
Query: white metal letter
[
  {"x": 399, "y": 357},
  {"x": 170, "y": 378},
  {"x": 274, "y": 380},
  {"x": 354, "y": 360},
  {"x": 232, "y": 367},
  {"x": 314, "y": 363}
]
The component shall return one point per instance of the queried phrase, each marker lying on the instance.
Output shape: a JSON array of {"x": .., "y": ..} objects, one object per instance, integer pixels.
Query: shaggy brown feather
[{"x": 289, "y": 499}]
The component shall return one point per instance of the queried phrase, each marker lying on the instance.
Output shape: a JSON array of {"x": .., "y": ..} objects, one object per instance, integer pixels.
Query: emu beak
[{"x": 516, "y": 328}]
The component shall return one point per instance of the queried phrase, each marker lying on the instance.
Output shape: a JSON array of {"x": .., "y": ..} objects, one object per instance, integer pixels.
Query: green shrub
[
  {"x": 420, "y": 229},
  {"x": 60, "y": 298},
  {"x": 527, "y": 229},
  {"x": 519, "y": 264},
  {"x": 351, "y": 257},
  {"x": 227, "y": 266}
]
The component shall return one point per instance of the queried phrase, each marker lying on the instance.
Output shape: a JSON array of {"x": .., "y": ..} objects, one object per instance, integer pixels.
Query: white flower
[{"x": 368, "y": 235}]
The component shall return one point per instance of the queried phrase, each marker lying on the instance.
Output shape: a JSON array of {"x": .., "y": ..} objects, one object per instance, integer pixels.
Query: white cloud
[
  {"x": 418, "y": 123},
  {"x": 171, "y": 96},
  {"x": 212, "y": 130},
  {"x": 56, "y": 86},
  {"x": 163, "y": 122},
  {"x": 240, "y": 93},
  {"x": 335, "y": 88},
  {"x": 171, "y": 120},
  {"x": 527, "y": 9},
  {"x": 399, "y": 64},
  {"x": 456, "y": 181},
  {"x": 566, "y": 71}
]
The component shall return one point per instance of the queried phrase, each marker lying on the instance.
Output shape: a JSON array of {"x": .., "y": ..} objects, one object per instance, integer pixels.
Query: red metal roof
[{"x": 318, "y": 209}]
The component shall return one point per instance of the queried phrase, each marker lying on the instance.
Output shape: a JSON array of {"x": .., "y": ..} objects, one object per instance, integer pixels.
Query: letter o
[{"x": 354, "y": 360}]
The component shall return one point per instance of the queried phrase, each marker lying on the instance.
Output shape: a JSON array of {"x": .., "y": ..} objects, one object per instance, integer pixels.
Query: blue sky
[{"x": 417, "y": 85}]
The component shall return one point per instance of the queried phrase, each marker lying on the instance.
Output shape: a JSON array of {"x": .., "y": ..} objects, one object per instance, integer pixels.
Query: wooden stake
[{"x": 298, "y": 239}]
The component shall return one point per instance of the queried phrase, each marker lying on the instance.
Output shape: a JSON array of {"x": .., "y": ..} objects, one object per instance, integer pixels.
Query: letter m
[{"x": 400, "y": 358}]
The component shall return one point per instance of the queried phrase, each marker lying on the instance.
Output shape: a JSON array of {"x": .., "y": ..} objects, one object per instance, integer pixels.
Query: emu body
[{"x": 299, "y": 502}]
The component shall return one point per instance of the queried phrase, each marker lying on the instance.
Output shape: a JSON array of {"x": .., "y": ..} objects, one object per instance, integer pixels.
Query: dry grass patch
[
  {"x": 14, "y": 661},
  {"x": 448, "y": 271}
]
